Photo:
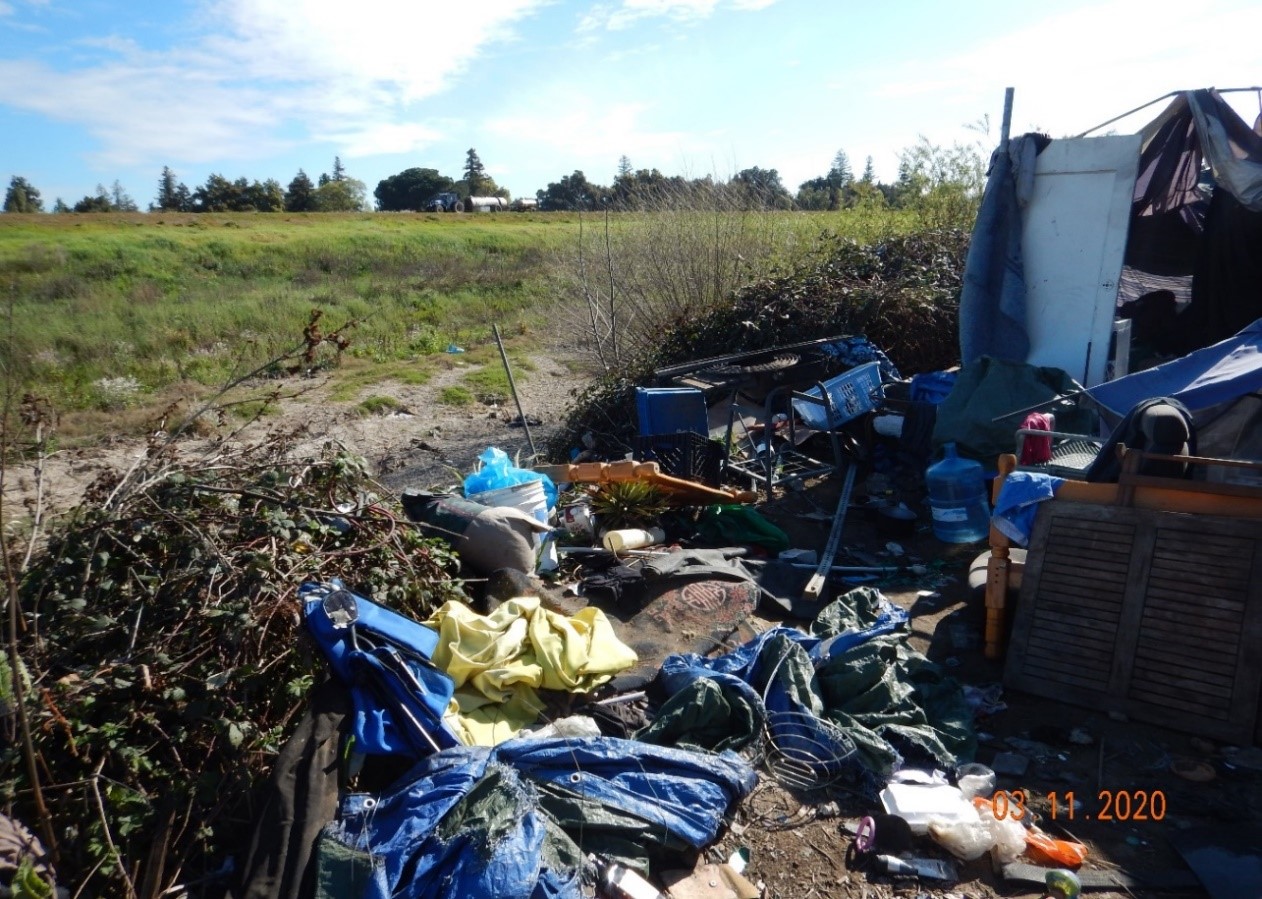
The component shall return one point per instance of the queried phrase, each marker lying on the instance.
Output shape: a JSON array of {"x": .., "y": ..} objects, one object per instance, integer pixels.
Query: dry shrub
[
  {"x": 902, "y": 293},
  {"x": 631, "y": 275}
]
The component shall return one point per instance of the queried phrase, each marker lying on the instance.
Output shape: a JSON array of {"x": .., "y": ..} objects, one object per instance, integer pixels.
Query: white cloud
[
  {"x": 589, "y": 135},
  {"x": 6, "y": 9},
  {"x": 409, "y": 48},
  {"x": 264, "y": 67},
  {"x": 1075, "y": 69},
  {"x": 143, "y": 113},
  {"x": 369, "y": 138},
  {"x": 615, "y": 17}
]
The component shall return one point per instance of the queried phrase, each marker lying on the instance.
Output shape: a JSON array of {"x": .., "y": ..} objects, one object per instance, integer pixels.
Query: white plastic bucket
[{"x": 527, "y": 496}]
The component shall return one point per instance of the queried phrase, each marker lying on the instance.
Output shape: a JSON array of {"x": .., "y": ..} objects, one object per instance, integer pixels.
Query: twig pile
[{"x": 161, "y": 632}]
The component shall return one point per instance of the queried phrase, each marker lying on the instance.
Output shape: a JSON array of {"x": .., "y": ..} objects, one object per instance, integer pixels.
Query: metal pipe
[
  {"x": 1005, "y": 129},
  {"x": 1221, "y": 90},
  {"x": 512, "y": 385}
]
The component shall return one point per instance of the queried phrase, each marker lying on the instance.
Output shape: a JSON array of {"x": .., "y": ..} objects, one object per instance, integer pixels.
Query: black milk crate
[{"x": 684, "y": 455}]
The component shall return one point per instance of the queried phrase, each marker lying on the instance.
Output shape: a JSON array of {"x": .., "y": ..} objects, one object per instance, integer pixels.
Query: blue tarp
[
  {"x": 1209, "y": 376},
  {"x": 399, "y": 697},
  {"x": 477, "y": 821}
]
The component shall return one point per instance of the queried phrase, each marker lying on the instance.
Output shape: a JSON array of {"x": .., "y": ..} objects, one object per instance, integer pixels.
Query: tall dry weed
[{"x": 629, "y": 277}]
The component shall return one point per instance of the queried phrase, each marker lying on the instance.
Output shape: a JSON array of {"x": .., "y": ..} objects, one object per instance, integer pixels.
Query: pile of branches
[
  {"x": 902, "y": 293},
  {"x": 164, "y": 655}
]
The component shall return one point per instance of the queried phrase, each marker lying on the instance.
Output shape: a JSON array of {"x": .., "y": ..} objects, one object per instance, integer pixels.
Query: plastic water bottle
[{"x": 957, "y": 494}]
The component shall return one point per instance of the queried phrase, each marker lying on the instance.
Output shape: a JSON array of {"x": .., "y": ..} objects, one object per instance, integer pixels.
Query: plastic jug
[
  {"x": 632, "y": 538},
  {"x": 957, "y": 494}
]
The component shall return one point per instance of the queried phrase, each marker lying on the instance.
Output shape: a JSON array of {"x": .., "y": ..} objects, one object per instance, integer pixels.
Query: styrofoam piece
[{"x": 918, "y": 804}]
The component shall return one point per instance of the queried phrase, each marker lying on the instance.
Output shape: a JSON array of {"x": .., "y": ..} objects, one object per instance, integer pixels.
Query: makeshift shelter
[
  {"x": 1193, "y": 270},
  {"x": 1222, "y": 387},
  {"x": 1077, "y": 233}
]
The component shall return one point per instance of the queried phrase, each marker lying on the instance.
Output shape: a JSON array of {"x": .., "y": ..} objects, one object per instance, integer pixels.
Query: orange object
[
  {"x": 679, "y": 491},
  {"x": 1044, "y": 848}
]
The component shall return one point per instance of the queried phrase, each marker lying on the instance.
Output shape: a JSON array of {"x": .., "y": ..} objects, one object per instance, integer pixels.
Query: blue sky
[{"x": 97, "y": 90}]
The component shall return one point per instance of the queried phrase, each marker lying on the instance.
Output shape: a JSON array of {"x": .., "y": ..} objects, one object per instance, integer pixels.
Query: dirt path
[{"x": 422, "y": 443}]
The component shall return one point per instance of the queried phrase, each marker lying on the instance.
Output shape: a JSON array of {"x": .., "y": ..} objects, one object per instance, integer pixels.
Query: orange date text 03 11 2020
[{"x": 1113, "y": 805}]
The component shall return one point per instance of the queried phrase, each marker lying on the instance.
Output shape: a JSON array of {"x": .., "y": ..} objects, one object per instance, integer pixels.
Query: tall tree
[
  {"x": 172, "y": 195},
  {"x": 410, "y": 190},
  {"x": 624, "y": 166},
  {"x": 99, "y": 203},
  {"x": 347, "y": 195},
  {"x": 60, "y": 206},
  {"x": 300, "y": 196},
  {"x": 218, "y": 194},
  {"x": 121, "y": 200},
  {"x": 22, "y": 196},
  {"x": 840, "y": 173},
  {"x": 572, "y": 192},
  {"x": 869, "y": 172},
  {"x": 761, "y": 189},
  {"x": 339, "y": 170},
  {"x": 474, "y": 173}
]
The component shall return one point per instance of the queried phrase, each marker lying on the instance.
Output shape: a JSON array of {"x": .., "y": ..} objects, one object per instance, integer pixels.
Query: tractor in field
[{"x": 445, "y": 202}]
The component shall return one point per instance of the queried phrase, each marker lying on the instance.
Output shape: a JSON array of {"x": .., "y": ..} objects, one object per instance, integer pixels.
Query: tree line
[{"x": 925, "y": 171}]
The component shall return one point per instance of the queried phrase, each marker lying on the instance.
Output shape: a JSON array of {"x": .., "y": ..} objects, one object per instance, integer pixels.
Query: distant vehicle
[
  {"x": 522, "y": 204},
  {"x": 486, "y": 204},
  {"x": 445, "y": 202}
]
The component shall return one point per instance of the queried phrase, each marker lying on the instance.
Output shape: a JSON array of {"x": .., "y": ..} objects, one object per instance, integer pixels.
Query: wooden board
[{"x": 1153, "y": 614}]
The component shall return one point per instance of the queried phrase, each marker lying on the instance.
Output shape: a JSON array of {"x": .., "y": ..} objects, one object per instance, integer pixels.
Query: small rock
[{"x": 828, "y": 810}]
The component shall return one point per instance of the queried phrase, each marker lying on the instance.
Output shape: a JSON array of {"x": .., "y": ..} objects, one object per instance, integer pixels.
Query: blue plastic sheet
[
  {"x": 420, "y": 855},
  {"x": 398, "y": 696}
]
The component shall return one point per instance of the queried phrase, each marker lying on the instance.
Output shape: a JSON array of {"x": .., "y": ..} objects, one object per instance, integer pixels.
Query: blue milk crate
[{"x": 851, "y": 393}]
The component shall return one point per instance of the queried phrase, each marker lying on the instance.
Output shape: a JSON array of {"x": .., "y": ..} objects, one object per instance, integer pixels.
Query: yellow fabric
[{"x": 499, "y": 661}]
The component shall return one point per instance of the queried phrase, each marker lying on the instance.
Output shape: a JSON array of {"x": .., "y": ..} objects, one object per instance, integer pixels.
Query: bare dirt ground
[
  {"x": 797, "y": 842},
  {"x": 422, "y": 443}
]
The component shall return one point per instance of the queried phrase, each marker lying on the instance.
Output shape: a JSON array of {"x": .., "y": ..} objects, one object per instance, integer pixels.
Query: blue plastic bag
[{"x": 498, "y": 471}]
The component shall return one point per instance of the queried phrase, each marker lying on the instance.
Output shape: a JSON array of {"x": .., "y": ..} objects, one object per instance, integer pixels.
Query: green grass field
[{"x": 107, "y": 313}]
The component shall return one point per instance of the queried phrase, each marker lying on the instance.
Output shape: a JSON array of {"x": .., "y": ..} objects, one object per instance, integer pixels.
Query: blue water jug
[{"x": 957, "y": 495}]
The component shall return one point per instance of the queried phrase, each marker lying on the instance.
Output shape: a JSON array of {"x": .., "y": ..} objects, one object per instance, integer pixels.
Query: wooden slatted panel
[
  {"x": 1155, "y": 614},
  {"x": 1076, "y": 577},
  {"x": 1189, "y": 644}
]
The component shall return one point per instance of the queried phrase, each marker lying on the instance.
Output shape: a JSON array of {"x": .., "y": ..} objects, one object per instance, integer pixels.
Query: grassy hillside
[{"x": 114, "y": 312}]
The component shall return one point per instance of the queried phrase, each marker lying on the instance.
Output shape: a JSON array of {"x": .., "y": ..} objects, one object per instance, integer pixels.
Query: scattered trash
[
  {"x": 920, "y": 804},
  {"x": 1010, "y": 763},
  {"x": 453, "y": 349},
  {"x": 930, "y": 868},
  {"x": 917, "y": 776},
  {"x": 1062, "y": 884},
  {"x": 619, "y": 882},
  {"x": 975, "y": 779},
  {"x": 1081, "y": 737},
  {"x": 1193, "y": 770},
  {"x": 985, "y": 700},
  {"x": 632, "y": 538},
  {"x": 1043, "y": 848},
  {"x": 895, "y": 549}
]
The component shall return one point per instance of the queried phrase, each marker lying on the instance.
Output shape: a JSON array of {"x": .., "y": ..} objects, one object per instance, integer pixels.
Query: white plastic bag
[
  {"x": 1008, "y": 835},
  {"x": 965, "y": 839}
]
